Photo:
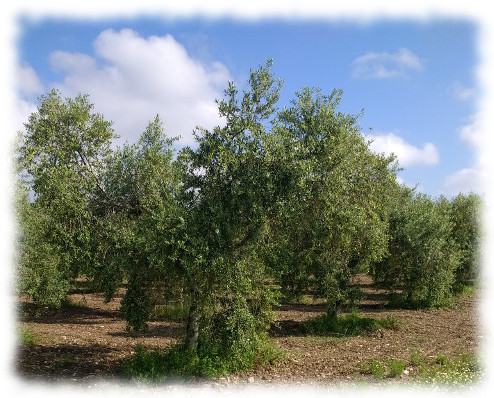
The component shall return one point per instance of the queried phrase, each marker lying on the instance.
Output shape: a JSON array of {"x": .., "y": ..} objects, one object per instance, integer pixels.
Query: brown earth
[{"x": 87, "y": 343}]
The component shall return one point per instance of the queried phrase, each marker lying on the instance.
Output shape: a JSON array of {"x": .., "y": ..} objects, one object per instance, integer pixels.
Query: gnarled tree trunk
[{"x": 192, "y": 335}]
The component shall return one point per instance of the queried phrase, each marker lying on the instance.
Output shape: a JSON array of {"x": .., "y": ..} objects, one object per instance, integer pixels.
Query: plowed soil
[{"x": 87, "y": 344}]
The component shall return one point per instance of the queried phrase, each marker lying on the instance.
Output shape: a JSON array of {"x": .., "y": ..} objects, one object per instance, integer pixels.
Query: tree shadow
[
  {"x": 169, "y": 330},
  {"x": 50, "y": 363},
  {"x": 300, "y": 307},
  {"x": 287, "y": 328},
  {"x": 73, "y": 314}
]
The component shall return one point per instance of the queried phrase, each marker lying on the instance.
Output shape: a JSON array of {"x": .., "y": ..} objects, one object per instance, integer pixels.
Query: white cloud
[
  {"x": 473, "y": 178},
  {"x": 28, "y": 87},
  {"x": 473, "y": 134},
  {"x": 28, "y": 82},
  {"x": 461, "y": 92},
  {"x": 134, "y": 78},
  {"x": 383, "y": 65},
  {"x": 407, "y": 154},
  {"x": 465, "y": 180}
]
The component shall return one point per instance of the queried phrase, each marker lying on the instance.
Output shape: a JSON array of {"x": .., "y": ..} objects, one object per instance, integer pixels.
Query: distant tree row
[{"x": 270, "y": 205}]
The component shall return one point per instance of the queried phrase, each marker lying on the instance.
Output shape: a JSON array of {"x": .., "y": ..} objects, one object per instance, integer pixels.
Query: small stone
[{"x": 250, "y": 379}]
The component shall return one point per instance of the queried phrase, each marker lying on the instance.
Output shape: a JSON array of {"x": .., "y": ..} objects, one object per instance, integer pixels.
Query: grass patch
[
  {"x": 175, "y": 363},
  {"x": 211, "y": 361},
  {"x": 352, "y": 324},
  {"x": 399, "y": 301},
  {"x": 375, "y": 368},
  {"x": 390, "y": 322},
  {"x": 396, "y": 367},
  {"x": 69, "y": 303},
  {"x": 444, "y": 371},
  {"x": 170, "y": 312},
  {"x": 416, "y": 357},
  {"x": 27, "y": 337},
  {"x": 379, "y": 369},
  {"x": 464, "y": 290},
  {"x": 268, "y": 355}
]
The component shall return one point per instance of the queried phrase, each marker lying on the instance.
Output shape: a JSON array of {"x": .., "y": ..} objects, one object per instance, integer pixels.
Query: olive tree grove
[{"x": 269, "y": 205}]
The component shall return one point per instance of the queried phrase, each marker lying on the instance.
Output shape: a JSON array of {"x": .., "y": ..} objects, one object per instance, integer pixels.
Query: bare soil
[{"x": 88, "y": 342}]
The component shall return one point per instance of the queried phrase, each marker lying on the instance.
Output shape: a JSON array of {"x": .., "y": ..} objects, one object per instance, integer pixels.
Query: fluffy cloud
[
  {"x": 407, "y": 154},
  {"x": 28, "y": 82},
  {"x": 132, "y": 79},
  {"x": 465, "y": 180},
  {"x": 29, "y": 87},
  {"x": 383, "y": 65}
]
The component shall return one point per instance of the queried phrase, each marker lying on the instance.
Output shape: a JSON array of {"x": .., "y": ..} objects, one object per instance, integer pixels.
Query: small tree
[
  {"x": 333, "y": 221},
  {"x": 423, "y": 257},
  {"x": 138, "y": 215},
  {"x": 466, "y": 217},
  {"x": 40, "y": 272},
  {"x": 60, "y": 158}
]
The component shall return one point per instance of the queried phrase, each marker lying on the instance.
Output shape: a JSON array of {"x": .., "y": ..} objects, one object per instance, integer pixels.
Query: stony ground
[{"x": 88, "y": 342}]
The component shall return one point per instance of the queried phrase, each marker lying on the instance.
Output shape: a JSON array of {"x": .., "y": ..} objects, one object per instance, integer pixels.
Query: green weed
[
  {"x": 26, "y": 337},
  {"x": 380, "y": 369},
  {"x": 390, "y": 322},
  {"x": 396, "y": 367},
  {"x": 210, "y": 361},
  {"x": 348, "y": 325},
  {"x": 170, "y": 312},
  {"x": 269, "y": 354},
  {"x": 375, "y": 367},
  {"x": 415, "y": 357},
  {"x": 444, "y": 371},
  {"x": 442, "y": 360}
]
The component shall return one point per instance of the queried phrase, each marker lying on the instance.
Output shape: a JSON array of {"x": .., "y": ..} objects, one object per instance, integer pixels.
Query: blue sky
[{"x": 414, "y": 80}]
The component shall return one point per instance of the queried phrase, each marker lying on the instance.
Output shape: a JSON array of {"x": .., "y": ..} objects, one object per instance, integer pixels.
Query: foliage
[
  {"x": 58, "y": 158},
  {"x": 396, "y": 367},
  {"x": 333, "y": 218},
  {"x": 171, "y": 312},
  {"x": 416, "y": 357},
  {"x": 376, "y": 368},
  {"x": 461, "y": 371},
  {"x": 138, "y": 217},
  {"x": 228, "y": 193},
  {"x": 42, "y": 273},
  {"x": 27, "y": 337},
  {"x": 423, "y": 255},
  {"x": 386, "y": 368},
  {"x": 443, "y": 371},
  {"x": 210, "y": 360},
  {"x": 348, "y": 325},
  {"x": 466, "y": 217}
]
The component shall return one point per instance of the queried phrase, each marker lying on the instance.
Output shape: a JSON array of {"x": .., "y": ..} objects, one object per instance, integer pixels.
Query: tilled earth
[{"x": 87, "y": 343}]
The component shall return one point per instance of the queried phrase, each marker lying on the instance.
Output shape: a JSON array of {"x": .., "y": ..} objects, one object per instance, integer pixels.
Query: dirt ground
[{"x": 88, "y": 342}]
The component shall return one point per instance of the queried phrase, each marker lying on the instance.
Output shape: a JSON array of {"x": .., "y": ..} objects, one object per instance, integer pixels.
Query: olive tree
[
  {"x": 333, "y": 223},
  {"x": 228, "y": 194},
  {"x": 466, "y": 216},
  {"x": 60, "y": 157},
  {"x": 137, "y": 215},
  {"x": 423, "y": 255}
]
